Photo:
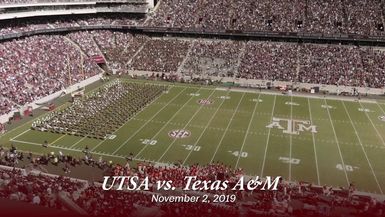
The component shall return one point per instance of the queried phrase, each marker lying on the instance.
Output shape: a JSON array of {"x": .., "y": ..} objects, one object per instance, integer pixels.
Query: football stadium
[{"x": 291, "y": 91}]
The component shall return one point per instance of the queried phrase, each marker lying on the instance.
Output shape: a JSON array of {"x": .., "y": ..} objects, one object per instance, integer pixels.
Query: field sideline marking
[
  {"x": 81, "y": 151},
  {"x": 314, "y": 146},
  {"x": 169, "y": 120},
  {"x": 100, "y": 143},
  {"x": 78, "y": 142},
  {"x": 145, "y": 124},
  {"x": 185, "y": 126},
  {"x": 61, "y": 137},
  {"x": 268, "y": 138},
  {"x": 338, "y": 143},
  {"x": 247, "y": 131},
  {"x": 206, "y": 127},
  {"x": 291, "y": 137},
  {"x": 26, "y": 131},
  {"x": 362, "y": 147},
  {"x": 228, "y": 125}
]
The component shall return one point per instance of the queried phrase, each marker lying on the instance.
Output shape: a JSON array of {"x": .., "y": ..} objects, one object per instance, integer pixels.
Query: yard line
[
  {"x": 314, "y": 146},
  {"x": 375, "y": 128},
  {"x": 22, "y": 133},
  {"x": 362, "y": 147},
  {"x": 185, "y": 126},
  {"x": 61, "y": 137},
  {"x": 80, "y": 140},
  {"x": 100, "y": 143},
  {"x": 268, "y": 137},
  {"x": 338, "y": 144},
  {"x": 378, "y": 104},
  {"x": 41, "y": 144},
  {"x": 227, "y": 128},
  {"x": 164, "y": 126},
  {"x": 145, "y": 124},
  {"x": 290, "y": 136},
  {"x": 206, "y": 127},
  {"x": 247, "y": 131}
]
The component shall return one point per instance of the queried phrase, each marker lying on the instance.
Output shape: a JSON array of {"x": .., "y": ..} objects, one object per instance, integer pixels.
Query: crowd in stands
[
  {"x": 25, "y": 25},
  {"x": 7, "y": 2},
  {"x": 37, "y": 66},
  {"x": 326, "y": 16},
  {"x": 217, "y": 58},
  {"x": 85, "y": 41},
  {"x": 291, "y": 199},
  {"x": 161, "y": 55},
  {"x": 269, "y": 61},
  {"x": 118, "y": 47},
  {"x": 344, "y": 65}
]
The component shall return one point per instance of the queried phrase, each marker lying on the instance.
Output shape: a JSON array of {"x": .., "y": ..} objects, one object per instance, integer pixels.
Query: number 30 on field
[{"x": 192, "y": 147}]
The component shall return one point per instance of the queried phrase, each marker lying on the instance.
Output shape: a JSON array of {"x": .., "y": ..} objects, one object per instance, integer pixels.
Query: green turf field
[{"x": 316, "y": 140}]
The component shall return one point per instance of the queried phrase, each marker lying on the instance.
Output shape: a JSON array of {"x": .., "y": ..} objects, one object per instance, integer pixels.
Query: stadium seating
[
  {"x": 37, "y": 66},
  {"x": 325, "y": 16}
]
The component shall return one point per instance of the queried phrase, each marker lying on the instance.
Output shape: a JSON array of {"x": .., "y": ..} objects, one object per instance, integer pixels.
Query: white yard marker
[
  {"x": 164, "y": 125},
  {"x": 362, "y": 147},
  {"x": 268, "y": 138},
  {"x": 149, "y": 120},
  {"x": 227, "y": 128},
  {"x": 338, "y": 144},
  {"x": 247, "y": 131},
  {"x": 185, "y": 126},
  {"x": 203, "y": 132},
  {"x": 314, "y": 146}
]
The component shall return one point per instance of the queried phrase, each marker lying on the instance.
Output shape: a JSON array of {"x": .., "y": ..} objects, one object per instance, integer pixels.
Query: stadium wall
[{"x": 40, "y": 102}]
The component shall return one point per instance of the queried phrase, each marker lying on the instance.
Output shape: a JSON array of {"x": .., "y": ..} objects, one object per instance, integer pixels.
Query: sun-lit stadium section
[{"x": 303, "y": 138}]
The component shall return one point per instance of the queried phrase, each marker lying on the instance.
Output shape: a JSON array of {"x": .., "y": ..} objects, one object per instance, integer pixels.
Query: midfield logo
[{"x": 292, "y": 126}]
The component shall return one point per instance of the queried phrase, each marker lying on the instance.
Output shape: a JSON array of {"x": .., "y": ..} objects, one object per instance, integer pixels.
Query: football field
[{"x": 321, "y": 141}]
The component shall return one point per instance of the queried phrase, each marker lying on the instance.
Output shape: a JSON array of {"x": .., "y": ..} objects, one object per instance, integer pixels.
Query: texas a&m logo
[{"x": 290, "y": 126}]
